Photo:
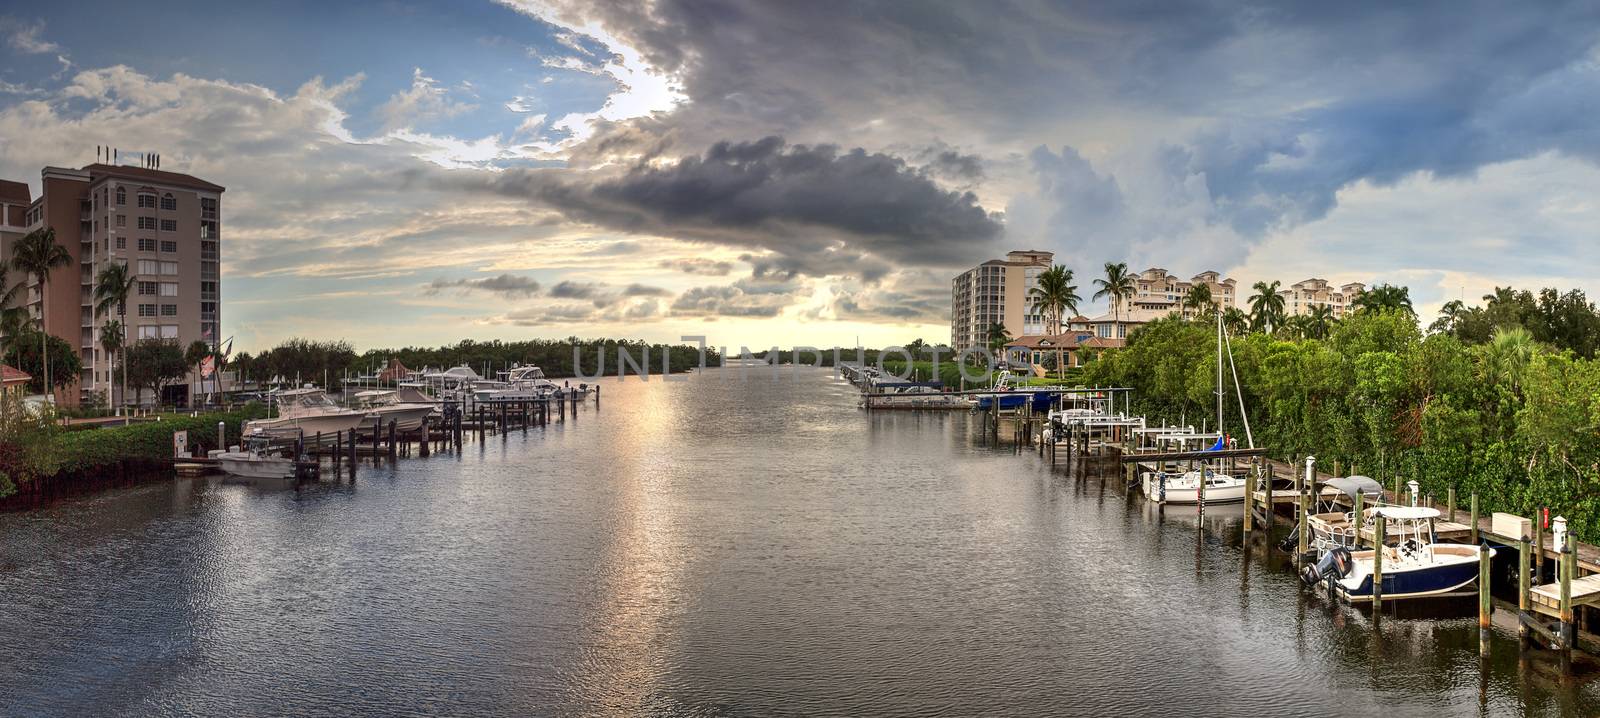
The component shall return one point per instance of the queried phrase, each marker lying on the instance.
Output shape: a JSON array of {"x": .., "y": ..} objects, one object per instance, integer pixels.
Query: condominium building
[
  {"x": 1300, "y": 297},
  {"x": 165, "y": 226},
  {"x": 997, "y": 292},
  {"x": 1159, "y": 293}
]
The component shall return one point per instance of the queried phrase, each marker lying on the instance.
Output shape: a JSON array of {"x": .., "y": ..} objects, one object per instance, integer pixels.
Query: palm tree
[
  {"x": 1450, "y": 316},
  {"x": 1235, "y": 321},
  {"x": 16, "y": 327},
  {"x": 1118, "y": 285},
  {"x": 1318, "y": 321},
  {"x": 1266, "y": 305},
  {"x": 38, "y": 254},
  {"x": 1199, "y": 299},
  {"x": 997, "y": 338},
  {"x": 1386, "y": 297},
  {"x": 111, "y": 343},
  {"x": 194, "y": 355},
  {"x": 111, "y": 290},
  {"x": 1055, "y": 294},
  {"x": 1507, "y": 355}
]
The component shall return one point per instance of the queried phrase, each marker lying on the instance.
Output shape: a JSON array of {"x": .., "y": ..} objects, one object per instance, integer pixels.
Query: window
[
  {"x": 122, "y": 220},
  {"x": 147, "y": 200},
  {"x": 149, "y": 332},
  {"x": 169, "y": 246},
  {"x": 147, "y": 244},
  {"x": 169, "y": 268},
  {"x": 169, "y": 289},
  {"x": 147, "y": 223},
  {"x": 208, "y": 287},
  {"x": 122, "y": 196},
  {"x": 147, "y": 310},
  {"x": 149, "y": 289},
  {"x": 122, "y": 243},
  {"x": 168, "y": 201},
  {"x": 169, "y": 310},
  {"x": 149, "y": 266},
  {"x": 169, "y": 331},
  {"x": 169, "y": 225},
  {"x": 208, "y": 208},
  {"x": 208, "y": 230}
]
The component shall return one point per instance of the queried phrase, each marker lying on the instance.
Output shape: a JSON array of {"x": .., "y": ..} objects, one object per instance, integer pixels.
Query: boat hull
[
  {"x": 256, "y": 467},
  {"x": 1176, "y": 492},
  {"x": 328, "y": 425},
  {"x": 1402, "y": 581},
  {"x": 406, "y": 418}
]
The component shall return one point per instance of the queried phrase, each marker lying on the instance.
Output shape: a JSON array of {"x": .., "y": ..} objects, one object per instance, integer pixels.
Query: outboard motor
[{"x": 1333, "y": 565}]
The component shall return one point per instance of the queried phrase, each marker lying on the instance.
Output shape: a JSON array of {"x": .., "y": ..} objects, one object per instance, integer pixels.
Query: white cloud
[
  {"x": 424, "y": 101},
  {"x": 24, "y": 36}
]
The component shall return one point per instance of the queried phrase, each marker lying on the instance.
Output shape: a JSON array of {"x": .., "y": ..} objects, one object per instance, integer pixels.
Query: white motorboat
[
  {"x": 306, "y": 412},
  {"x": 1185, "y": 488},
  {"x": 383, "y": 406},
  {"x": 256, "y": 460},
  {"x": 1417, "y": 566}
]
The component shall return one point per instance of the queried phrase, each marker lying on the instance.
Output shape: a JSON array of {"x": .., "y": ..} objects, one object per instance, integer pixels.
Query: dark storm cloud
[
  {"x": 1275, "y": 106},
  {"x": 508, "y": 285},
  {"x": 642, "y": 290},
  {"x": 568, "y": 289},
  {"x": 822, "y": 210}
]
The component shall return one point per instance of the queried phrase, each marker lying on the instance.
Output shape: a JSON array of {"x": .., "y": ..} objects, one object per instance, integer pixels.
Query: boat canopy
[
  {"x": 1350, "y": 485},
  {"x": 909, "y": 384},
  {"x": 1406, "y": 513}
]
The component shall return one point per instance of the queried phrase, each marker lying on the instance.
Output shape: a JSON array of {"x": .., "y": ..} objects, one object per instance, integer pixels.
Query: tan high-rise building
[
  {"x": 1300, "y": 297},
  {"x": 166, "y": 226},
  {"x": 1158, "y": 293},
  {"x": 997, "y": 292}
]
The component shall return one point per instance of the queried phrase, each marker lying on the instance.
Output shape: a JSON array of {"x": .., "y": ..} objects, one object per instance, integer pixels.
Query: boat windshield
[
  {"x": 300, "y": 403},
  {"x": 376, "y": 398}
]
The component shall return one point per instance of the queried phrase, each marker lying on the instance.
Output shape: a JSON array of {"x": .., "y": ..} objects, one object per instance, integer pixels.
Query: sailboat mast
[{"x": 1220, "y": 432}]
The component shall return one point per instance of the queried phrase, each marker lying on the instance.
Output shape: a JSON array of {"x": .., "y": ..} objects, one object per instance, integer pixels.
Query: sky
[{"x": 815, "y": 173}]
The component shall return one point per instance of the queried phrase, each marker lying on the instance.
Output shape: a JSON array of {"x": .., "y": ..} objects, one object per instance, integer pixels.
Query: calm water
[{"x": 704, "y": 547}]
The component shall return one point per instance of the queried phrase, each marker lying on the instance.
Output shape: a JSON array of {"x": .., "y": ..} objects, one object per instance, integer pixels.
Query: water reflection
[{"x": 711, "y": 547}]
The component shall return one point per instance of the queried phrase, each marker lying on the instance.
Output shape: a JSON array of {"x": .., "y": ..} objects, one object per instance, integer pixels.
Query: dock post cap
[
  {"x": 1558, "y": 527},
  {"x": 1414, "y": 487}
]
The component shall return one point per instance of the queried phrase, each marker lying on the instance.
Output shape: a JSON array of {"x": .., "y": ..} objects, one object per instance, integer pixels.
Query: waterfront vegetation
[
  {"x": 308, "y": 360},
  {"x": 36, "y": 451},
  {"x": 1502, "y": 399}
]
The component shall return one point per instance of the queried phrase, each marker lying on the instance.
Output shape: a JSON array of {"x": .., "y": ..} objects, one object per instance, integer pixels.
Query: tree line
[{"x": 1501, "y": 399}]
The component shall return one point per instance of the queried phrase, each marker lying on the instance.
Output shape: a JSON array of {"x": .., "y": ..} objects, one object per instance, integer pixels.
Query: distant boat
[
  {"x": 1189, "y": 486},
  {"x": 256, "y": 460},
  {"x": 306, "y": 412},
  {"x": 382, "y": 406},
  {"x": 1012, "y": 398}
]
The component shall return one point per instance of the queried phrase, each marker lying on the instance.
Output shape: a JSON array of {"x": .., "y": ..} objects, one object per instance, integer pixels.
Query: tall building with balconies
[
  {"x": 1300, "y": 297},
  {"x": 165, "y": 226},
  {"x": 997, "y": 292},
  {"x": 1158, "y": 293}
]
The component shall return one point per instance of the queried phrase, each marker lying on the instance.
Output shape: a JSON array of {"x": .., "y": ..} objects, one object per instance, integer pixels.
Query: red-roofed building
[{"x": 13, "y": 381}]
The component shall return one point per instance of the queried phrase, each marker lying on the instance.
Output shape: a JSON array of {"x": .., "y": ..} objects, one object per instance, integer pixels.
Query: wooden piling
[
  {"x": 1538, "y": 544},
  {"x": 1485, "y": 608},
  {"x": 427, "y": 439},
  {"x": 393, "y": 446},
  {"x": 1474, "y": 535},
  {"x": 1569, "y": 555},
  {"x": 1268, "y": 510},
  {"x": 338, "y": 450},
  {"x": 1524, "y": 583},
  {"x": 1450, "y": 504},
  {"x": 1249, "y": 497},
  {"x": 1360, "y": 519},
  {"x": 1377, "y": 564},
  {"x": 1301, "y": 510}
]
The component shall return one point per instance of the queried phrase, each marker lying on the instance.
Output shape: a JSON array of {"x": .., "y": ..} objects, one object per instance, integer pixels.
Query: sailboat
[{"x": 1206, "y": 484}]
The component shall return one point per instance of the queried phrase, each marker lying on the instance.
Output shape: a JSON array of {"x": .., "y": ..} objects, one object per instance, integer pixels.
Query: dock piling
[
  {"x": 1524, "y": 583},
  {"x": 1474, "y": 534},
  {"x": 1377, "y": 565}
]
